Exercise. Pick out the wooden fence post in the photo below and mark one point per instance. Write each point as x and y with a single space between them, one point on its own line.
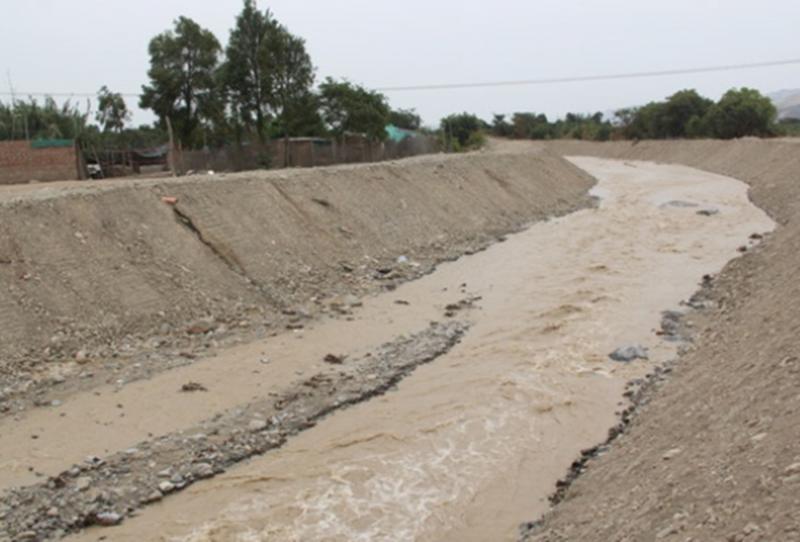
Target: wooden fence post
171 151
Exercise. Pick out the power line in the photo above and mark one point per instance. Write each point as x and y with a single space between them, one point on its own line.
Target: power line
608 77
67 94
486 84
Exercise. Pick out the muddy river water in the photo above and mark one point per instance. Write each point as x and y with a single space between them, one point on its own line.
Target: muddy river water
470 446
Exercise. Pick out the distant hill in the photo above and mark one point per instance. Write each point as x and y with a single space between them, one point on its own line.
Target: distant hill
788 103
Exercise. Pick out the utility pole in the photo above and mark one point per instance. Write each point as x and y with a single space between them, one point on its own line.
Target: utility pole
13 104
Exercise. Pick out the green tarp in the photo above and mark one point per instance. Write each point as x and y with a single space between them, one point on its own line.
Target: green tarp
50 143
398 134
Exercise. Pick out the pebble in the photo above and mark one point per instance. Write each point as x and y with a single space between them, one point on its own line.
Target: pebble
751 528
257 425
671 454
629 353
665 532
166 487
108 519
155 496
203 470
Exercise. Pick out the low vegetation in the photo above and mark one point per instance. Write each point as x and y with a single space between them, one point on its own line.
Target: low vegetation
684 115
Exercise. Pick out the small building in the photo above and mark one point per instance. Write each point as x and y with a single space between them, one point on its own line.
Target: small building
39 160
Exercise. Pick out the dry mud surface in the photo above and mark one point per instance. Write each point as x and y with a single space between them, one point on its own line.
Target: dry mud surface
309 392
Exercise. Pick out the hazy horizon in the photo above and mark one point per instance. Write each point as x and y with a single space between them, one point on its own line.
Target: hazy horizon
77 47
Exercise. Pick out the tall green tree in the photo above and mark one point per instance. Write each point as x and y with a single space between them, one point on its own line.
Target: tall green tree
246 71
347 107
500 126
461 132
530 126
681 111
742 112
291 76
112 111
408 119
183 84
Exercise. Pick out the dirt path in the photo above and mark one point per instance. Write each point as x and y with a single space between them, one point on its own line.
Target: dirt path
468 447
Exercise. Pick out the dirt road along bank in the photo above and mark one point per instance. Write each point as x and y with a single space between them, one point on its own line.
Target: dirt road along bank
714 454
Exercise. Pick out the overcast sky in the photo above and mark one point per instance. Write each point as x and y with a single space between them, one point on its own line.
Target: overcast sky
79 45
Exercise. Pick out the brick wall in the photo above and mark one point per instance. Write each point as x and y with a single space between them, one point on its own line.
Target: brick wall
20 163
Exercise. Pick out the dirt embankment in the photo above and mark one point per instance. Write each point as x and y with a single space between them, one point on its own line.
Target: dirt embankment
112 275
712 454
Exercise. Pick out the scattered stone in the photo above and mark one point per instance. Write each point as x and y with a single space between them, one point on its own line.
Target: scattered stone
166 487
204 470
627 354
708 212
333 359
672 327
671 454
751 528
200 328
794 468
108 519
155 496
190 387
679 203
401 302
666 531
83 483
257 425
94 461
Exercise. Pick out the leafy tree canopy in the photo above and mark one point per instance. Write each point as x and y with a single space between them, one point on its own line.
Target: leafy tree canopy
408 119
183 85
245 73
112 112
742 112
462 131
347 107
